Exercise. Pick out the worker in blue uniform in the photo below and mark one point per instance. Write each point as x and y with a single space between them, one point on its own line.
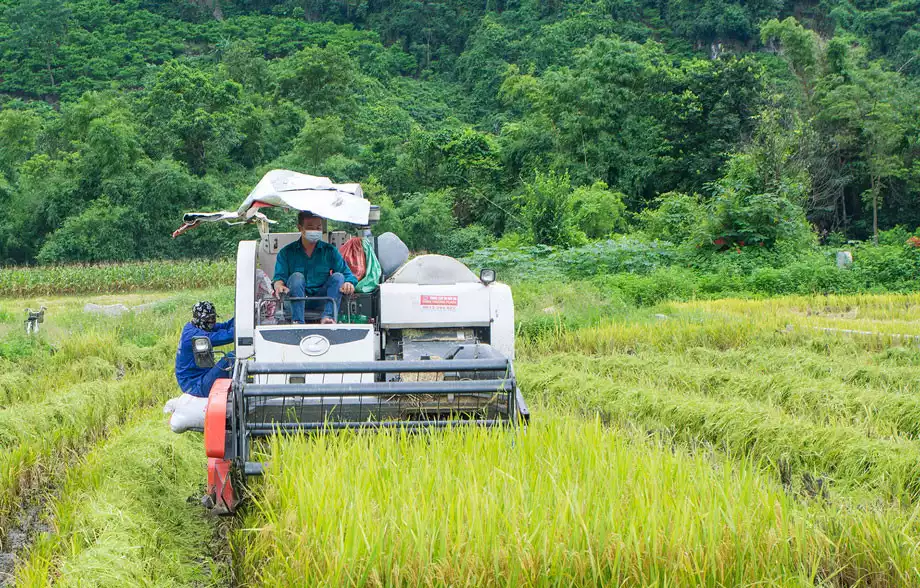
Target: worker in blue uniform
311 267
192 379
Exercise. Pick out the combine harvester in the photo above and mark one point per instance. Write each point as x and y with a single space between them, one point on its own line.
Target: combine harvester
435 347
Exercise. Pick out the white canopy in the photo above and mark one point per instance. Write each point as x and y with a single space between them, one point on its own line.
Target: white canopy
281 187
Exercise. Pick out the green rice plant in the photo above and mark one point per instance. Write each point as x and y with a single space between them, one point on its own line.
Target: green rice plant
123 518
14 385
563 503
886 468
36 439
106 279
84 356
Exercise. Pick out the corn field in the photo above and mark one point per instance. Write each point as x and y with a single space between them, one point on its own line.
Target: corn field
115 278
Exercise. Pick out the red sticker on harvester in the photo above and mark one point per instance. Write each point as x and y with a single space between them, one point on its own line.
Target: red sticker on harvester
444 302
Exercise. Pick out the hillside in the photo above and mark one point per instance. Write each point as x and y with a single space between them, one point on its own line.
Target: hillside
554 122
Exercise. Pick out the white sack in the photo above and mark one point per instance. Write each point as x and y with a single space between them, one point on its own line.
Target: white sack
187 413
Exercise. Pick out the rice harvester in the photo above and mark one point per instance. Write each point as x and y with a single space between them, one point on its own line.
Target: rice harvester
431 347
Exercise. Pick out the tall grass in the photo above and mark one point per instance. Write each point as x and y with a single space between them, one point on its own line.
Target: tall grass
564 502
111 278
645 464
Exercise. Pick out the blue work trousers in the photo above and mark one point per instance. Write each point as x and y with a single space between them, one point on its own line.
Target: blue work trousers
221 369
331 289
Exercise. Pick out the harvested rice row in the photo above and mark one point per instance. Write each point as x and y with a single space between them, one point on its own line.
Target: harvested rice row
37 438
875 412
885 307
124 519
888 469
681 334
691 328
562 503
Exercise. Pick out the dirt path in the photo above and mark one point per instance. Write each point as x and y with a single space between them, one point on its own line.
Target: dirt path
26 525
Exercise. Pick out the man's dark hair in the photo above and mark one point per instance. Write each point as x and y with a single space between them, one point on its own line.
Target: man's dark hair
304 215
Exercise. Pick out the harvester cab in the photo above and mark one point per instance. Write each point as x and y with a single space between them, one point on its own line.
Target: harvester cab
431 347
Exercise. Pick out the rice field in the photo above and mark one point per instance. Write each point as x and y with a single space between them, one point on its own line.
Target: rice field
723 443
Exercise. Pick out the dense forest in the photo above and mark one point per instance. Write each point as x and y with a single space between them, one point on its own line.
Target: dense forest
715 124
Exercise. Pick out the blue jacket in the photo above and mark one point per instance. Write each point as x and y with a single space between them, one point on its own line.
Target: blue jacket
315 269
188 374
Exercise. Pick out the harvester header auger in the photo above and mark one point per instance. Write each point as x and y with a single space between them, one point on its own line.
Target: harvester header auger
430 345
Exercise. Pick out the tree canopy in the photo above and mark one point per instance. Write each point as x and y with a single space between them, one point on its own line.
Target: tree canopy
551 122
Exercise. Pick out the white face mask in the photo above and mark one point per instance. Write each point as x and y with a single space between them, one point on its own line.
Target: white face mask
312 236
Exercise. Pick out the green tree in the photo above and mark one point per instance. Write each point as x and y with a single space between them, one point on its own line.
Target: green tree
676 218
319 139
545 204
192 117
243 63
799 45
884 130
18 134
427 219
321 79
601 114
112 146
40 26
97 234
867 109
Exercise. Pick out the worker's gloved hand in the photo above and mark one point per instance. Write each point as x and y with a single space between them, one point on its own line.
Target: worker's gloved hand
347 288
281 289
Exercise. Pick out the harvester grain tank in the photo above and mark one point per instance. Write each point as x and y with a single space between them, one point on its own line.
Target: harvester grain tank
436 349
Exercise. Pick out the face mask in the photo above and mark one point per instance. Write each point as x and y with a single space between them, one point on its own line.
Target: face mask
312 236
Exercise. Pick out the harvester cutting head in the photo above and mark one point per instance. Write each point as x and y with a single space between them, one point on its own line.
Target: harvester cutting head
431 347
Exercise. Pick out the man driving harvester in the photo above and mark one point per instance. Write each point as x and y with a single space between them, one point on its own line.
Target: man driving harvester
312 267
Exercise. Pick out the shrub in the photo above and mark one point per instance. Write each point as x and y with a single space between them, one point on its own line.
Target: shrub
893 267
746 211
677 217
533 261
815 277
597 211
647 290
465 240
895 236
623 254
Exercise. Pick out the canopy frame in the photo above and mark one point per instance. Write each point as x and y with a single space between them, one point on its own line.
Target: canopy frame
290 190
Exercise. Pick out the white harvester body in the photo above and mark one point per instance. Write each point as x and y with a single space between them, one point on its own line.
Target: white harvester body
431 347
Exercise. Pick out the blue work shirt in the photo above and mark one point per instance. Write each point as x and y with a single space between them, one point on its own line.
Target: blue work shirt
188 374
315 269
